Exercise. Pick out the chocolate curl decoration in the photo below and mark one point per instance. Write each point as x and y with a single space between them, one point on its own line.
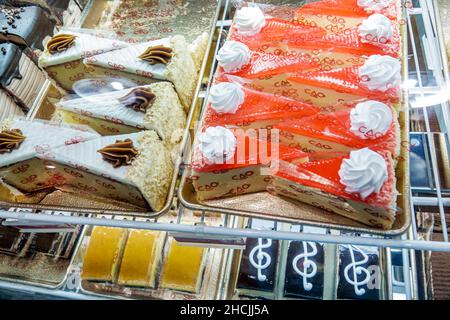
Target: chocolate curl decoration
60 42
10 140
121 153
157 54
138 99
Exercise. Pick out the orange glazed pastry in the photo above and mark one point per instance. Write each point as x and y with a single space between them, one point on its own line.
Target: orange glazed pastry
369 124
351 8
141 258
227 163
360 35
230 104
183 268
103 255
359 185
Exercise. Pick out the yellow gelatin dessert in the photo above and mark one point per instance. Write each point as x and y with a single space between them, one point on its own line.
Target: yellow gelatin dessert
141 258
104 254
183 268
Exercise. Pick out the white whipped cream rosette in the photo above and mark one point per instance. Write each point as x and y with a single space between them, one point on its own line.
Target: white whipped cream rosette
233 56
249 20
365 172
226 97
370 119
374 5
376 29
380 73
217 144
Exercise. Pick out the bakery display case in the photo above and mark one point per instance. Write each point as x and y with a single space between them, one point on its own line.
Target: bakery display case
291 149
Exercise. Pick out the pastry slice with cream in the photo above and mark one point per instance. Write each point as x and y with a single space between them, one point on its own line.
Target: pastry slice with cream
228 163
101 261
236 60
64 55
350 8
19 76
155 106
360 185
134 168
368 124
167 59
231 104
377 79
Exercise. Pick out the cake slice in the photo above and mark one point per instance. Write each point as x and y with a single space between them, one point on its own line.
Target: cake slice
254 27
368 124
155 106
134 168
167 59
25 26
103 254
350 8
64 54
141 258
228 163
231 104
360 185
183 267
25 149
374 34
19 76
237 60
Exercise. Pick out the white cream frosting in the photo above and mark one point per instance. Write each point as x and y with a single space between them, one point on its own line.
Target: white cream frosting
233 56
249 20
373 5
226 97
364 172
217 144
380 73
376 29
370 119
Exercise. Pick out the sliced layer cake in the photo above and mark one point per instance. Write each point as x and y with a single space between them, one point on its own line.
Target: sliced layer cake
360 185
167 59
155 106
368 124
228 163
64 55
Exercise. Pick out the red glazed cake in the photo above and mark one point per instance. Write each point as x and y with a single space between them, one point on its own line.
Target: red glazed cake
230 104
227 163
369 124
359 185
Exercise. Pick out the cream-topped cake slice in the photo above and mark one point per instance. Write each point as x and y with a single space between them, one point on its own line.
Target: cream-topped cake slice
167 59
26 148
134 168
155 106
64 54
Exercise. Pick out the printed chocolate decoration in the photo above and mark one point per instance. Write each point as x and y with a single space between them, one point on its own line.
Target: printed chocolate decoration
157 54
359 274
304 270
121 153
258 265
10 140
138 99
60 42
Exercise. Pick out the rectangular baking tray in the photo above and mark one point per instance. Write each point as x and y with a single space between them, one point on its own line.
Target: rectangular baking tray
43 109
266 206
